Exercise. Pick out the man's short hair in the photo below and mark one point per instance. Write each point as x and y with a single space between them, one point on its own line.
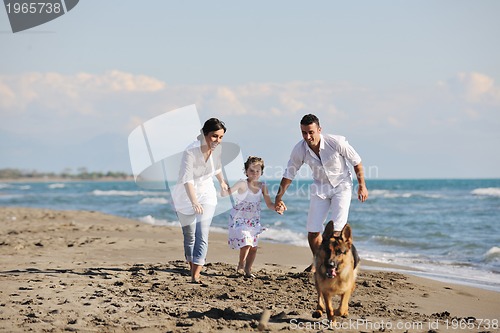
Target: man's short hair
309 119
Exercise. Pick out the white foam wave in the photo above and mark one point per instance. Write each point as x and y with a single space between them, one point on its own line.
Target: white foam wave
434 269
153 201
270 234
15 187
285 236
56 185
394 195
218 230
487 191
125 193
154 221
10 196
274 235
492 254
466 277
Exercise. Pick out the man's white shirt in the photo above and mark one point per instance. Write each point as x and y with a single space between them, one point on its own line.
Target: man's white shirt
330 169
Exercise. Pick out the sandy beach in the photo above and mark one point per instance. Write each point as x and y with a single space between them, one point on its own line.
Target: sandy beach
82 271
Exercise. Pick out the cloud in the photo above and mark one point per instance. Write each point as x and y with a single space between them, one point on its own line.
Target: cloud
7 96
474 88
59 92
117 81
476 85
289 98
119 101
54 108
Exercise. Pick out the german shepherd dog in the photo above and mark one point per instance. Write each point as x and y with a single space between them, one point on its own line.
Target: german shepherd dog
336 270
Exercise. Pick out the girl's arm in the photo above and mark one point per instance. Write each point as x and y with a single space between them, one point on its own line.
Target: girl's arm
240 187
267 198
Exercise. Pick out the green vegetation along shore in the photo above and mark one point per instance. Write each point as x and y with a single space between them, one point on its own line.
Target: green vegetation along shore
67 174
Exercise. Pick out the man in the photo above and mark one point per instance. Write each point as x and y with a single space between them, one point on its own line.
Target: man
331 190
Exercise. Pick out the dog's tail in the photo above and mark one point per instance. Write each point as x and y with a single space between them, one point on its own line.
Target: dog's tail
355 255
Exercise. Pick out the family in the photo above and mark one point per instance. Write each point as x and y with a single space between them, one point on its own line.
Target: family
195 196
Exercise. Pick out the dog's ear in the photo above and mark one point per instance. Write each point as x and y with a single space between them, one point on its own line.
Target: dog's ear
347 235
328 233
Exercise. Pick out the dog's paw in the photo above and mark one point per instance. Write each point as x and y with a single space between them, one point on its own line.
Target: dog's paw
340 313
317 314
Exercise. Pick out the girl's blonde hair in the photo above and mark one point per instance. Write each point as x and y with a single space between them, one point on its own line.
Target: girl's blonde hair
254 159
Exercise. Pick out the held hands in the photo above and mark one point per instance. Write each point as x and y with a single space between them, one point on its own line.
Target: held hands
280 207
224 189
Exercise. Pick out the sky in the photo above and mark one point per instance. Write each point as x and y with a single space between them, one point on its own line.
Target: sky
413 85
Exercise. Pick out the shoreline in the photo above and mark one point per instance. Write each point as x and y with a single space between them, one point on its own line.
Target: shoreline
89 271
372 264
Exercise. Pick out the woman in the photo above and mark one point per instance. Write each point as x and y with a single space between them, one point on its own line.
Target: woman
195 196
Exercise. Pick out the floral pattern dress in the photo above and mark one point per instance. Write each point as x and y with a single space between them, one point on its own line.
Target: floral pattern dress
244 220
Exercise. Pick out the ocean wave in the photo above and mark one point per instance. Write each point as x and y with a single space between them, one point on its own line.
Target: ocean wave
125 193
148 219
56 185
441 270
487 191
15 187
386 240
10 196
285 236
153 201
216 229
395 195
274 235
492 254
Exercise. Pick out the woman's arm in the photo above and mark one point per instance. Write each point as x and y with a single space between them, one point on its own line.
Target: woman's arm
198 209
223 185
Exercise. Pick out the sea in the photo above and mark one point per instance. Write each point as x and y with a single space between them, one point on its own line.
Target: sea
444 229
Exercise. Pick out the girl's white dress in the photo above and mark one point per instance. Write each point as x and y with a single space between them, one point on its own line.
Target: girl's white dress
244 220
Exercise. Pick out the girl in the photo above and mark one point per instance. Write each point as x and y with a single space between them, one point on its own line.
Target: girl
244 218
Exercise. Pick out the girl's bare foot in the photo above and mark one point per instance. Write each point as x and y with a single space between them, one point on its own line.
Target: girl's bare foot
240 270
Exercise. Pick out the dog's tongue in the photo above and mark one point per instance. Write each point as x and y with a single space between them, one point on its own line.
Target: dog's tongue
332 273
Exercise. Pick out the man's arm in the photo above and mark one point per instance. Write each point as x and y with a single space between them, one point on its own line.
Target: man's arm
279 205
362 190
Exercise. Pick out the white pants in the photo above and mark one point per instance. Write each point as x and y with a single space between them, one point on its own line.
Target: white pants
336 200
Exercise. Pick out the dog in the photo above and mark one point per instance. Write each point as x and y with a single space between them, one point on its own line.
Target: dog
336 263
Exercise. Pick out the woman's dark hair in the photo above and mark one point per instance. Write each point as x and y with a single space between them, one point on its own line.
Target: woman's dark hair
309 119
212 125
